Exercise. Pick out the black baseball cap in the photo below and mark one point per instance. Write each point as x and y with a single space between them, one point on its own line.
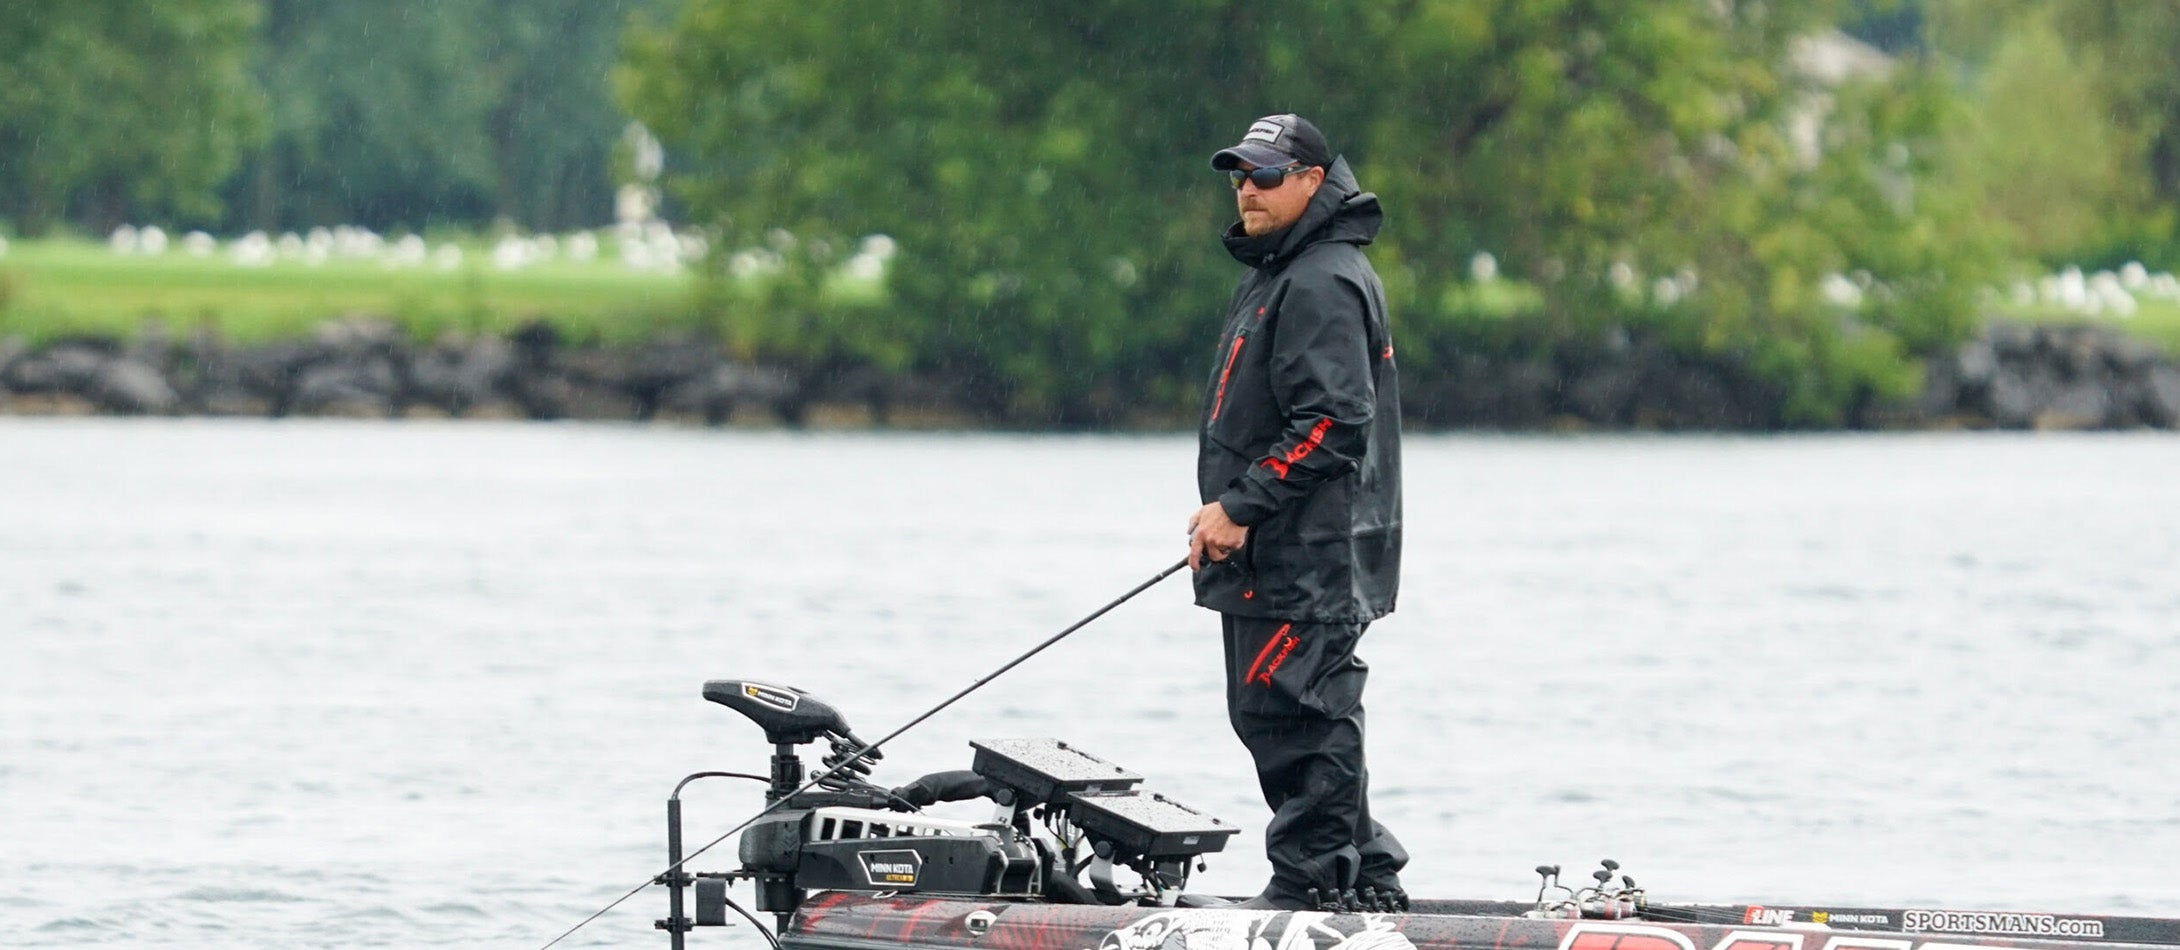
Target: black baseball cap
1276 141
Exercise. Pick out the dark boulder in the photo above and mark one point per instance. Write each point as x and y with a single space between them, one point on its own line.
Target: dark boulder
1603 391
536 344
127 387
12 351
1975 366
2158 399
542 394
211 377
1694 397
366 387
457 376
661 366
2079 352
2011 340
71 368
2016 393
2129 357
1940 396
598 382
2084 404
269 372
717 393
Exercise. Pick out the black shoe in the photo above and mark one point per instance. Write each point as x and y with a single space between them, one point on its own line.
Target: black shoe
1382 900
1384 892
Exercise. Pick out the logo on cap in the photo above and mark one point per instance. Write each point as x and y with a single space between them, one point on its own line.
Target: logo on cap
1265 131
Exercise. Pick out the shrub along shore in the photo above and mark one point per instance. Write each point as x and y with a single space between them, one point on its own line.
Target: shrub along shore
2011 376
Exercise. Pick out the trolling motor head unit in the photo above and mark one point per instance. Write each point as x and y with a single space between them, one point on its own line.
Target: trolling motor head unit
1060 812
787 716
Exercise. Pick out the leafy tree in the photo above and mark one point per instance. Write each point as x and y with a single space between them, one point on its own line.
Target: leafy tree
414 112
2062 141
1596 147
2129 48
122 109
553 121
1041 164
379 117
1038 163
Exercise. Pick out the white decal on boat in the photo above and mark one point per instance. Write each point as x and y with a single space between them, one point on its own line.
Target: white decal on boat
1212 929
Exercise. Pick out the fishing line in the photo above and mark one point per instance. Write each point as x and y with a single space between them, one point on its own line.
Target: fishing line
866 753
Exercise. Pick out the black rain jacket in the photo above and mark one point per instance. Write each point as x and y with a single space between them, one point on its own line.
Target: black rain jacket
1301 421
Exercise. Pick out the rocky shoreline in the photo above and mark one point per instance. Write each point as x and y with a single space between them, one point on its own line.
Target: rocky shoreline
2012 376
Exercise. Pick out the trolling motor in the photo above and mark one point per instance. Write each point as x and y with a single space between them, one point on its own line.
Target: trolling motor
1060 813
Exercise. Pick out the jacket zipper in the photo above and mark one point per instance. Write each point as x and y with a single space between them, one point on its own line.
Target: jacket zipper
1223 373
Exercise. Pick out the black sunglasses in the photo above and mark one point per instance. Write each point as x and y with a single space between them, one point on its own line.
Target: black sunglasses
1265 179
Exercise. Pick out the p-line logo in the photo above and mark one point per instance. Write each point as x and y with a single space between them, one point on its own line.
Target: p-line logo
891 868
1265 132
783 700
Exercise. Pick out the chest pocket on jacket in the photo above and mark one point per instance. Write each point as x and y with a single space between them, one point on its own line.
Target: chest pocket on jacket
1243 416
1226 374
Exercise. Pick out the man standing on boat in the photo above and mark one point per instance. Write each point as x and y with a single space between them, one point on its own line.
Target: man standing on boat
1297 545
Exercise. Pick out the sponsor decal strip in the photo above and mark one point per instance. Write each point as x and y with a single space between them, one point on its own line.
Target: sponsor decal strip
2009 924
1628 936
2083 927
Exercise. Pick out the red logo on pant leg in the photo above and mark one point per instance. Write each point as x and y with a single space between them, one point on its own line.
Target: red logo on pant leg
1276 650
1285 647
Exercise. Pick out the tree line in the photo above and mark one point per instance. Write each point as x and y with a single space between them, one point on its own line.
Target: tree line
234 115
1729 178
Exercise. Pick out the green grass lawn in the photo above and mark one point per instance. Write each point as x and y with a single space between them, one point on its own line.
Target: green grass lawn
2156 321
63 287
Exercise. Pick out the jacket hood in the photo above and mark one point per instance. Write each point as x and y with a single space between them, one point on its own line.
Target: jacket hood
1340 211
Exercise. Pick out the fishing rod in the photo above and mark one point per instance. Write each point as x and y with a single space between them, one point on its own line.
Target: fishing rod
864 754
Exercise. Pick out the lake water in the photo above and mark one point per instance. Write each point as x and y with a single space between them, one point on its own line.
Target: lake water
276 684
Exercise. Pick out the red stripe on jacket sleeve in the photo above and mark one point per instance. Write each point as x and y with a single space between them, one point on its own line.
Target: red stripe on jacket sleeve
1302 451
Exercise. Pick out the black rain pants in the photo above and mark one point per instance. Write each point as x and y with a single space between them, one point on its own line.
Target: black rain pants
1294 695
